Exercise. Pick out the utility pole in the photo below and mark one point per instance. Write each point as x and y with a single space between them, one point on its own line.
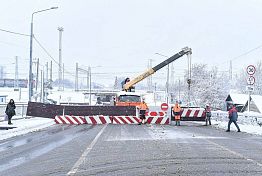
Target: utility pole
90 86
37 74
46 74
167 85
41 88
60 29
1 72
63 76
172 77
149 79
51 74
230 71
16 73
76 78
116 83
179 85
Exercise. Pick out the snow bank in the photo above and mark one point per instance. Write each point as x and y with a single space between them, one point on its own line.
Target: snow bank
248 122
24 126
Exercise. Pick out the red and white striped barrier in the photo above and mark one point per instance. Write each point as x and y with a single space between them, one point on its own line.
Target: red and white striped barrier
156 113
74 120
125 120
157 120
98 119
193 113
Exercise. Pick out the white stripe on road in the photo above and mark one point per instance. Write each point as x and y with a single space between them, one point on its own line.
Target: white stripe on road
83 156
235 153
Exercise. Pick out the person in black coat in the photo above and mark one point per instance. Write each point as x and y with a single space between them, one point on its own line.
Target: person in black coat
10 110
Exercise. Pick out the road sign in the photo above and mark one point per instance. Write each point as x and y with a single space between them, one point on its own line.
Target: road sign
250 88
251 80
164 106
251 69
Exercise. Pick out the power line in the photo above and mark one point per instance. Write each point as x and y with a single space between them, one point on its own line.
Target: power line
41 46
17 33
246 53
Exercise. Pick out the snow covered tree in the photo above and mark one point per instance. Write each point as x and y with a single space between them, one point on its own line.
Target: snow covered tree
207 86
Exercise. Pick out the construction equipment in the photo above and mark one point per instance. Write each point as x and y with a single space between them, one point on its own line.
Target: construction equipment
128 86
127 98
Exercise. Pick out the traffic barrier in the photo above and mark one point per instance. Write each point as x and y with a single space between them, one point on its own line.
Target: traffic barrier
99 119
74 120
193 113
156 113
125 120
158 120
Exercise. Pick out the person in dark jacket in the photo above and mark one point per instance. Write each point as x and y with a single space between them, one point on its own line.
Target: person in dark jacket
10 110
232 114
208 114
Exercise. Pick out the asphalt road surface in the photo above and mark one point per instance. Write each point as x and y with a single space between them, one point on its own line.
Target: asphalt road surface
190 149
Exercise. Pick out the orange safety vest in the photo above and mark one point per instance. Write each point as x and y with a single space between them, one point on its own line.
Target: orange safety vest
177 108
143 106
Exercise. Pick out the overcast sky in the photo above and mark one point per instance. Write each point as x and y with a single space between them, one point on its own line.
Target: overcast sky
121 36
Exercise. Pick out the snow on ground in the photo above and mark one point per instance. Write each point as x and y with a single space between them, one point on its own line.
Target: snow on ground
23 126
248 122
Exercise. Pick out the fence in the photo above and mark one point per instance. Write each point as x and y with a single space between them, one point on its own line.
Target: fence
20 110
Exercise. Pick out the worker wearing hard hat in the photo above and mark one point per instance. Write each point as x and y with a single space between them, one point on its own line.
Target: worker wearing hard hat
142 111
177 114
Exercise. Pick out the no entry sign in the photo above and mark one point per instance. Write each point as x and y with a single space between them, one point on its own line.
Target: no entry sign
164 106
251 69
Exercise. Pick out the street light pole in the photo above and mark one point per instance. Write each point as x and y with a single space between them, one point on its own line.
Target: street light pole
167 79
89 71
30 81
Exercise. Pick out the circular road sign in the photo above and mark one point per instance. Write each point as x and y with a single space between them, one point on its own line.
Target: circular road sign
251 80
251 69
164 106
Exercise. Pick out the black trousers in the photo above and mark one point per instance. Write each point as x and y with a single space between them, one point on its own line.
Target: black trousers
235 122
9 119
142 114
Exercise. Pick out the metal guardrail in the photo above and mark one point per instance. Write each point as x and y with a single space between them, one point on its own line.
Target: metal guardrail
20 110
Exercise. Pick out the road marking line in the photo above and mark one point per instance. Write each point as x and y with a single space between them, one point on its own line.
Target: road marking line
235 153
83 156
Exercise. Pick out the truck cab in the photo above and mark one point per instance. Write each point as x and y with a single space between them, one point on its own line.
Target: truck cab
128 99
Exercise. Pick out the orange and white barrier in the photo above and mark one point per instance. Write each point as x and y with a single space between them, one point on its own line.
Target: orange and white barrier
125 120
98 119
73 120
193 113
158 120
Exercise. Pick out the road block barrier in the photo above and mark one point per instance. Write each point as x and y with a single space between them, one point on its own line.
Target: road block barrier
161 118
99 119
191 114
125 120
158 120
74 120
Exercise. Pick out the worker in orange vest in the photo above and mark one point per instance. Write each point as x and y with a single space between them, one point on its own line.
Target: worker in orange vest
142 111
176 111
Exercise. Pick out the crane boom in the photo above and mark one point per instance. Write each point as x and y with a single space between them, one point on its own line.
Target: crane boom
151 71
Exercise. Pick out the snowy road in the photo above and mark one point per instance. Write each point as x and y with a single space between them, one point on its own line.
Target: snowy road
191 149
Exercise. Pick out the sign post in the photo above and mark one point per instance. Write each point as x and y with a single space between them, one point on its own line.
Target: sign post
251 69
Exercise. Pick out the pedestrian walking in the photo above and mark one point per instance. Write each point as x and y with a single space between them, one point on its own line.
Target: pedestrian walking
232 115
176 111
142 111
208 114
10 110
